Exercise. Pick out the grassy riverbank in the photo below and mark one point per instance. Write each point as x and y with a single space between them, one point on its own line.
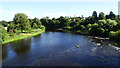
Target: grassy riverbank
24 35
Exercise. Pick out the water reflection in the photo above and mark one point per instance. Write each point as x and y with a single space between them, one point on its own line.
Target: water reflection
37 36
22 46
4 51
18 47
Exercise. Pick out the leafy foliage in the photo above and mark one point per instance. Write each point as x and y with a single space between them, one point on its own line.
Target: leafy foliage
101 25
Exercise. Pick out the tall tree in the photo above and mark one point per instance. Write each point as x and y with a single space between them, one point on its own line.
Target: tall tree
22 19
112 15
37 21
101 16
94 14
4 23
107 16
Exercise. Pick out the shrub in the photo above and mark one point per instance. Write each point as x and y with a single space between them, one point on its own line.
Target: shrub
114 35
11 33
35 26
17 31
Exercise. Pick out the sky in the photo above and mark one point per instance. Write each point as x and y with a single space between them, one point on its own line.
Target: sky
52 9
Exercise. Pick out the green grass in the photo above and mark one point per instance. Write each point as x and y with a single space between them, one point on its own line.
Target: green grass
26 35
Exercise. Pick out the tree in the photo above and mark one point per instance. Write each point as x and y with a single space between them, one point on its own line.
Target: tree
3 34
96 31
22 19
112 15
89 20
102 23
37 21
82 27
31 22
27 26
11 27
64 21
114 35
88 27
101 16
118 25
4 23
107 16
94 14
110 24
35 26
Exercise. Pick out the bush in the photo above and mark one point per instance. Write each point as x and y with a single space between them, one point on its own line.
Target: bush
96 31
17 31
88 27
35 26
114 35
3 33
42 27
11 33
101 22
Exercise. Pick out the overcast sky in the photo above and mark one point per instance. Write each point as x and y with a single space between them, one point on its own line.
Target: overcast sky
35 8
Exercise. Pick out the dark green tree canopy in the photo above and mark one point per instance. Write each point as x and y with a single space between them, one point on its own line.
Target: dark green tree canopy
112 15
101 16
94 14
20 18
4 23
37 21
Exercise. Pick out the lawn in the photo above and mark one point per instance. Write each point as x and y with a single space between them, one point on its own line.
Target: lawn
24 35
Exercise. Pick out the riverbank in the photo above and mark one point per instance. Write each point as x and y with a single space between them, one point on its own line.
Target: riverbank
23 36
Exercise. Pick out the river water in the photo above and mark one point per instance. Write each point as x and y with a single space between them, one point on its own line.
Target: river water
58 49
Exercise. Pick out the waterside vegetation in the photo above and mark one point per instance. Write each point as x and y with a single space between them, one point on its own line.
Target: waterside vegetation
101 25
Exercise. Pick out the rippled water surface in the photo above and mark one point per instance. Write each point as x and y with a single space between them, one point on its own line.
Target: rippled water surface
58 49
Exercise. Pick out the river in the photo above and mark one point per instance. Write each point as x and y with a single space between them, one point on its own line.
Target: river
58 49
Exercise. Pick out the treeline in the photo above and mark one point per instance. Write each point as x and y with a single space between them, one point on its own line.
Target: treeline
20 24
96 25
